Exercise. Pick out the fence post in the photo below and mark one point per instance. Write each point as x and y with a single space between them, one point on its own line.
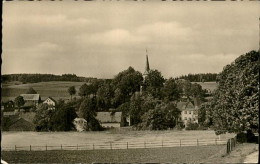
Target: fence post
111 145
197 142
227 146
93 147
30 148
180 143
126 145
77 147
15 147
46 147
216 141
144 144
162 143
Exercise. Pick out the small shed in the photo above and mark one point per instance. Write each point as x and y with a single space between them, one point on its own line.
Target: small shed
21 124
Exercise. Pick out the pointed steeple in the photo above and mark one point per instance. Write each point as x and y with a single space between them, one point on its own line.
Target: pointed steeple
147 68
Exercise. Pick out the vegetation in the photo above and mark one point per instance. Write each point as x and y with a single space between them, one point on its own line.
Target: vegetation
236 100
35 78
201 77
19 101
60 119
71 91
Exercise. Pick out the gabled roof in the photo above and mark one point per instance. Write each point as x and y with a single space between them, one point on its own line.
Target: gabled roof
104 117
51 99
185 106
31 97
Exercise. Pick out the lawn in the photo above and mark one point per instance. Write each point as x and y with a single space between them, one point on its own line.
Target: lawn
55 89
208 85
10 139
159 155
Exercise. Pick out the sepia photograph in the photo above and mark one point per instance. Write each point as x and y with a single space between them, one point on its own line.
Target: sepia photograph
110 81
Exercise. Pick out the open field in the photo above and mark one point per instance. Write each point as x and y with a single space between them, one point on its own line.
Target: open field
10 139
208 85
55 89
161 155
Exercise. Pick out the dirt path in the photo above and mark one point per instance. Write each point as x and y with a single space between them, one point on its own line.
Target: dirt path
252 158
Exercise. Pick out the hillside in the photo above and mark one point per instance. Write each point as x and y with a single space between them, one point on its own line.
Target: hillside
55 89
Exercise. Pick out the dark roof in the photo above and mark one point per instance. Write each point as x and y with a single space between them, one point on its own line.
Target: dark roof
185 106
21 125
109 117
31 97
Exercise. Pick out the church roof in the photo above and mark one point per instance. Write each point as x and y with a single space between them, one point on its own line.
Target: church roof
147 68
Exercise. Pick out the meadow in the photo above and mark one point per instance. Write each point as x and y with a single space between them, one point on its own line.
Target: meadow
10 139
55 89
158 155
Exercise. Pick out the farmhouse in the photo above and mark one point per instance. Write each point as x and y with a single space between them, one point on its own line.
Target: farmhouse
80 124
31 99
189 112
109 119
50 102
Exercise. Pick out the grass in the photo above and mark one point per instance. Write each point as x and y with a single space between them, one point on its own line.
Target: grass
238 155
55 89
159 155
208 85
10 139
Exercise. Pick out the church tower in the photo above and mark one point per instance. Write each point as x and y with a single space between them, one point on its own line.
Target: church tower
147 68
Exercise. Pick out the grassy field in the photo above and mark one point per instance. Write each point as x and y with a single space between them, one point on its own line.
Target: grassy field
55 89
159 155
208 85
10 139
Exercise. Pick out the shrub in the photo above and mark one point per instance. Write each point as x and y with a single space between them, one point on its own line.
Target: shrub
241 137
192 126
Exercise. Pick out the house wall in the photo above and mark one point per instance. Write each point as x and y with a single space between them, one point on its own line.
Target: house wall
189 115
108 125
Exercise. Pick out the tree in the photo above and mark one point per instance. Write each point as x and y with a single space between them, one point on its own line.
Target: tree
84 90
42 119
205 115
104 95
71 91
171 91
88 112
125 84
63 118
19 101
236 100
31 91
153 83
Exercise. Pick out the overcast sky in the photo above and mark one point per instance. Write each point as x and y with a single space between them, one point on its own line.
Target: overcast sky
100 39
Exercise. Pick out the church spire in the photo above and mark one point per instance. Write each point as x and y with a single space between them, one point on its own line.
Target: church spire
147 68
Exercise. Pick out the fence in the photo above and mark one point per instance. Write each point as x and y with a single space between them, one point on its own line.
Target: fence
231 144
119 145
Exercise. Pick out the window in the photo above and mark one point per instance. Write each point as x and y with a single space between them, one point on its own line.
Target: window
189 112
185 118
185 112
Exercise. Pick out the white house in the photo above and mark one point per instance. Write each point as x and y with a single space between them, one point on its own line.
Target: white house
50 102
189 112
80 124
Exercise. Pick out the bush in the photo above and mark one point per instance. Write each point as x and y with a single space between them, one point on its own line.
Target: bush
192 126
241 137
201 127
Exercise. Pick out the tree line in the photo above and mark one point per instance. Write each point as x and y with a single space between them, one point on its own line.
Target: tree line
35 78
201 77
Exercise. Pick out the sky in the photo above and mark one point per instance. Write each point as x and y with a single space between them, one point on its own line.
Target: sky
100 39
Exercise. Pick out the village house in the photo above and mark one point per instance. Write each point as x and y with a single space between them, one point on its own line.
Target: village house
189 112
80 124
50 102
31 99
